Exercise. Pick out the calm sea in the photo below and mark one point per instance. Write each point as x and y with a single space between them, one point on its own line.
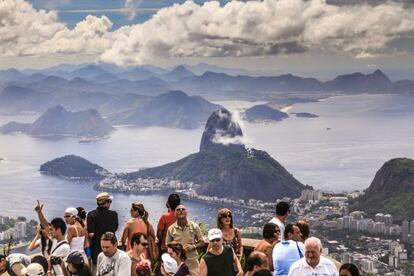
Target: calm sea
339 151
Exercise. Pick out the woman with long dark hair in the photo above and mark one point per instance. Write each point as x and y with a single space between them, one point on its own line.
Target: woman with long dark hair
41 240
231 235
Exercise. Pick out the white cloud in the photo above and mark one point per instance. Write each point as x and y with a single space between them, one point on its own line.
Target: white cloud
25 31
255 28
237 29
226 136
131 7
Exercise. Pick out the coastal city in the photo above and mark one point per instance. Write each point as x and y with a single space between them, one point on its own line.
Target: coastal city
378 245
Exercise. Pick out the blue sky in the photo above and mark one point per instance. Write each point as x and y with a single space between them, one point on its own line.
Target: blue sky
307 37
73 11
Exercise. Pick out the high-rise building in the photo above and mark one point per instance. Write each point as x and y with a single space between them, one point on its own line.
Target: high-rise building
347 222
20 229
388 220
379 217
405 231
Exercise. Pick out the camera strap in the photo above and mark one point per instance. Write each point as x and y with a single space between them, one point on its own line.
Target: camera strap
58 245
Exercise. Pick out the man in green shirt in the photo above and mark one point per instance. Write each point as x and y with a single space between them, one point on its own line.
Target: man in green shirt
220 260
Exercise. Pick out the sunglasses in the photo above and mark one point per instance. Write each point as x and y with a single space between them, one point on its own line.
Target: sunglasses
180 209
144 244
225 216
67 216
216 240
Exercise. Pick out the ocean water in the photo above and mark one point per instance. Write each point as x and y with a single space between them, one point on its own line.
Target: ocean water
339 151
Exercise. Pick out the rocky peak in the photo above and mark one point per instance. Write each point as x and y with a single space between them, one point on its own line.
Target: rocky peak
221 128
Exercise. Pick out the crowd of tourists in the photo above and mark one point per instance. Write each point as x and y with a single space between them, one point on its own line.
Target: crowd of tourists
84 244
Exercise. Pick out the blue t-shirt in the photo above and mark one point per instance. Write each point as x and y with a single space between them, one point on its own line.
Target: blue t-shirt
285 253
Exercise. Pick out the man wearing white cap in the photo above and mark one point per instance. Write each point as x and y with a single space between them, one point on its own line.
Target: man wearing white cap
220 260
100 221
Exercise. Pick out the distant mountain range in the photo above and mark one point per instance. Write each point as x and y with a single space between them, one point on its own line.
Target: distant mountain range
204 78
391 191
119 94
224 167
57 121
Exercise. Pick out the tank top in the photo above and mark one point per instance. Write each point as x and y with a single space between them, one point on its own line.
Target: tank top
220 265
77 243
233 243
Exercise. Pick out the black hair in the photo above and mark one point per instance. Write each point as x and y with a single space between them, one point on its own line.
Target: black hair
288 229
263 272
59 223
45 242
136 238
353 269
178 249
109 236
252 261
173 201
282 208
2 257
269 230
39 259
81 212
81 216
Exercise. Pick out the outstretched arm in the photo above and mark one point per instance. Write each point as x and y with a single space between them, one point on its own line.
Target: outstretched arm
42 219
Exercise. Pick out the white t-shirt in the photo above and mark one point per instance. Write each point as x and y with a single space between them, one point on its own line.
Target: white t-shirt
325 268
281 225
117 265
59 249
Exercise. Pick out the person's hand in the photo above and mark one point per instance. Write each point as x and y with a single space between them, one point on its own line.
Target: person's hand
239 273
39 206
188 247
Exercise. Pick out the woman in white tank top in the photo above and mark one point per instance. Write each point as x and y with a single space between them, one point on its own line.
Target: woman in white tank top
76 234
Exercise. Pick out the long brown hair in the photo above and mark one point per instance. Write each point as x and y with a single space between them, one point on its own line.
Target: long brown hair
222 213
139 207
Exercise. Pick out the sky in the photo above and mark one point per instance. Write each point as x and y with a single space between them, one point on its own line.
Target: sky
319 38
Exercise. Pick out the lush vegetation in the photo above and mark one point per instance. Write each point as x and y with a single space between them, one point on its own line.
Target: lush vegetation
72 166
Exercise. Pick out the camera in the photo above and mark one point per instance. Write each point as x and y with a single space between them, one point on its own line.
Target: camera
55 260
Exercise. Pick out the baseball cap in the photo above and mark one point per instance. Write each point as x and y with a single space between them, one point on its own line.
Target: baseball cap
33 269
170 265
75 258
214 233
